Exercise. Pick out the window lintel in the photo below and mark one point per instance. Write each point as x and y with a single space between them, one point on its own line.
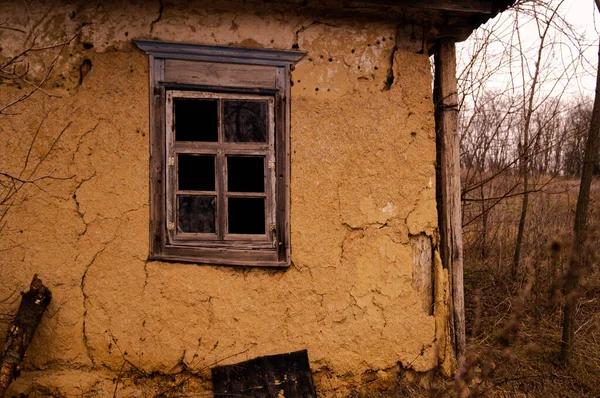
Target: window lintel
235 55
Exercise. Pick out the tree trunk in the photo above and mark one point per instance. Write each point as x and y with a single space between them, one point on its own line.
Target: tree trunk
525 203
577 264
526 151
22 329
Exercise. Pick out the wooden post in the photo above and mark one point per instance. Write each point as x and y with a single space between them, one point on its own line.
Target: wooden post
448 184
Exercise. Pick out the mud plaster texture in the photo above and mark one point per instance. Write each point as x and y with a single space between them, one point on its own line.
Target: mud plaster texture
362 192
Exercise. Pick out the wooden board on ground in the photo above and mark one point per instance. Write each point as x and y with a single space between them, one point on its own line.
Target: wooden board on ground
286 375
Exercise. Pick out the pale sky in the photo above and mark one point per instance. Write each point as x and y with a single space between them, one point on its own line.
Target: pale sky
584 16
563 70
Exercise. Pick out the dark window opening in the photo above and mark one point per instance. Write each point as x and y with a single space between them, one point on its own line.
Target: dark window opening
245 174
196 120
196 173
246 215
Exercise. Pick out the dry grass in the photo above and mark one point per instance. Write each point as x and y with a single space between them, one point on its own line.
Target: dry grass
515 324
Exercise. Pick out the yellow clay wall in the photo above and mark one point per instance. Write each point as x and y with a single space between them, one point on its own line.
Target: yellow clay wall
362 192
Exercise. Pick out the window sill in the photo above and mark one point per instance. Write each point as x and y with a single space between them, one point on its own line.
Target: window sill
221 256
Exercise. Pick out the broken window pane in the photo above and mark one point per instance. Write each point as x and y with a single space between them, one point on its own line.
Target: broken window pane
245 121
245 173
196 119
196 173
246 215
196 214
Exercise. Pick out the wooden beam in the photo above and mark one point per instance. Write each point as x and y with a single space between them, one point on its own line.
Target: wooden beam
448 184
471 6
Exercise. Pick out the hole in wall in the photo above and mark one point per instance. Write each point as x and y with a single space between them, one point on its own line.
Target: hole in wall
84 69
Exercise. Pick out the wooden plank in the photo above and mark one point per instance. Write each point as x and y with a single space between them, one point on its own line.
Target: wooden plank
225 256
210 148
283 375
471 6
448 183
219 74
271 178
157 158
245 242
219 89
282 171
422 278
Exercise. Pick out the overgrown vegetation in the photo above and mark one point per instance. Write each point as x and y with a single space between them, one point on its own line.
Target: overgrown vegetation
515 324
523 143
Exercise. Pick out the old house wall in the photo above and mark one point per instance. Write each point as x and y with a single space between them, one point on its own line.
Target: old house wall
358 294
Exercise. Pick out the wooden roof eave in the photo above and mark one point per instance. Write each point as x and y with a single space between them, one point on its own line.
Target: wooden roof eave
459 6
456 19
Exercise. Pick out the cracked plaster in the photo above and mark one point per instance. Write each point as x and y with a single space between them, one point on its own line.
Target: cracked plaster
362 170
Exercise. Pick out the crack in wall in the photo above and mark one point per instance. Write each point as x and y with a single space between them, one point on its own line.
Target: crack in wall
413 209
80 141
234 26
389 80
211 311
146 276
413 136
77 204
86 299
159 17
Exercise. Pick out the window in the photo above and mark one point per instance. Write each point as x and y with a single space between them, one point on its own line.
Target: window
221 177
219 161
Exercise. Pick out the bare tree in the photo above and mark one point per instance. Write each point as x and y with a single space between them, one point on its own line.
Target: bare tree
578 258
512 110
573 137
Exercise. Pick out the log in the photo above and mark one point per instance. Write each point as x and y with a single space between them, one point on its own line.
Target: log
21 330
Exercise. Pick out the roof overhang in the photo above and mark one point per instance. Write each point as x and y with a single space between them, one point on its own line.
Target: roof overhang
442 18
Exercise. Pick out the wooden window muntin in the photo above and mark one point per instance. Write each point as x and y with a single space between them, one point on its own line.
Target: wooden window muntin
221 150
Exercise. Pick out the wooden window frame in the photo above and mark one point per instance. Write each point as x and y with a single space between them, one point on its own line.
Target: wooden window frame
198 71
